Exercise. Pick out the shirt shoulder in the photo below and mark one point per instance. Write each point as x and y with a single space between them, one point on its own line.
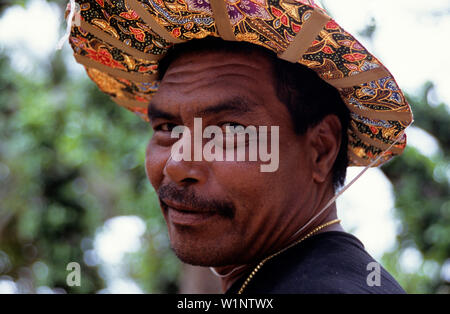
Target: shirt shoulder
330 262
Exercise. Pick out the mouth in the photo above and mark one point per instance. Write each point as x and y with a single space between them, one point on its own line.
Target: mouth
179 214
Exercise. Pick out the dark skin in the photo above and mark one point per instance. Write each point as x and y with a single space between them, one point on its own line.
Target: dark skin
264 208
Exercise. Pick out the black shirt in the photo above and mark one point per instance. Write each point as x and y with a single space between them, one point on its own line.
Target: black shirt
329 262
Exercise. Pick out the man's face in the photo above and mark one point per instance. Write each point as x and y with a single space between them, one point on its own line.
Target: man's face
222 213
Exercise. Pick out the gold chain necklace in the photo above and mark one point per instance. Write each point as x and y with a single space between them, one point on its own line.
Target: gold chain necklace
252 274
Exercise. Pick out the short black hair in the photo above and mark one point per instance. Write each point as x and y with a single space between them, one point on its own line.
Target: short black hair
308 98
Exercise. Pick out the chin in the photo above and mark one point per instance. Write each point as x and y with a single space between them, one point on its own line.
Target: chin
207 253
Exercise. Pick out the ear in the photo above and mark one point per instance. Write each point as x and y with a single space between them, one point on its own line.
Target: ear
325 141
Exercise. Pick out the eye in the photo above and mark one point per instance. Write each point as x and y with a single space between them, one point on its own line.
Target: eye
232 127
165 127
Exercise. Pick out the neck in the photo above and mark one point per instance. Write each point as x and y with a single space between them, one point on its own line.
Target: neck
230 274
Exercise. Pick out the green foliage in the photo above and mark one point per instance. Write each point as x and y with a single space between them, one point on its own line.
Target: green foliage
369 30
421 187
70 159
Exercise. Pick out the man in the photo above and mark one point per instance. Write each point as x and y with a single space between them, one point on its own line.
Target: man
227 214
261 231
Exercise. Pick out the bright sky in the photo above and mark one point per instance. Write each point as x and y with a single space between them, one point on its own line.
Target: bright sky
412 40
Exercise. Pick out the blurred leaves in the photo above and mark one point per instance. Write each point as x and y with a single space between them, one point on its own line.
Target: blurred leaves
369 30
421 187
70 159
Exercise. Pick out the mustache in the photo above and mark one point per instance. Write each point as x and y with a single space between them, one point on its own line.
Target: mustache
188 198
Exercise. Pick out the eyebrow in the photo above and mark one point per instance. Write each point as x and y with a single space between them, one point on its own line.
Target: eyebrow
153 113
236 104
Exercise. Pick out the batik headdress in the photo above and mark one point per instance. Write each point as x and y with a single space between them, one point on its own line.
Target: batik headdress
121 41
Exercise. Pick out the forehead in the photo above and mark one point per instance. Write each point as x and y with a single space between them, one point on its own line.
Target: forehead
200 79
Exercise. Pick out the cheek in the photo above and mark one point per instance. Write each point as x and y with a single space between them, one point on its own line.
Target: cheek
245 185
261 192
155 159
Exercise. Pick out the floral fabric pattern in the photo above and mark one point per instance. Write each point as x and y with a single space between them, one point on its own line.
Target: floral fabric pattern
130 48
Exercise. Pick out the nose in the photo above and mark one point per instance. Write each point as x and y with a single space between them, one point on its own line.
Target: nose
185 172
